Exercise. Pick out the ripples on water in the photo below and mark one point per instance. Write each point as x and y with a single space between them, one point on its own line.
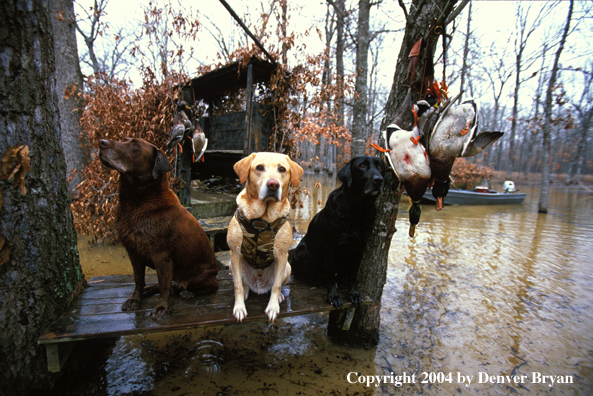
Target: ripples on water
496 289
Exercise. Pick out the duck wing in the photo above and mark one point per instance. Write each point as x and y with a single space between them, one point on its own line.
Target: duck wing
480 143
472 122
436 118
386 139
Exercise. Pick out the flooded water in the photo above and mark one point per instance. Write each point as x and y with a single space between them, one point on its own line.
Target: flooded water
490 294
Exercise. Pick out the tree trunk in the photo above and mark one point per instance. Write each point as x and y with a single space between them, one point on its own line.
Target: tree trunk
340 59
284 30
68 87
581 163
42 274
340 11
464 65
360 104
326 81
317 155
364 330
543 199
514 116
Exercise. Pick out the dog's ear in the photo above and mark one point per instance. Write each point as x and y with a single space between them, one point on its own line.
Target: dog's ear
161 165
345 174
296 172
242 168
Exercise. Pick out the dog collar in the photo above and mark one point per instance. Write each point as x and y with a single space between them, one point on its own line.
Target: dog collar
258 239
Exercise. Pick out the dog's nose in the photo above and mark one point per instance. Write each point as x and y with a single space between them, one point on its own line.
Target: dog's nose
273 184
103 143
377 180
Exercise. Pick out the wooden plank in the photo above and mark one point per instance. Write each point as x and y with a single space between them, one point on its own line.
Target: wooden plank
215 225
224 258
97 314
57 355
238 152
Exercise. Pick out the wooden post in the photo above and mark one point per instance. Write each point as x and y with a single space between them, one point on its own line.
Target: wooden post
186 160
248 107
57 354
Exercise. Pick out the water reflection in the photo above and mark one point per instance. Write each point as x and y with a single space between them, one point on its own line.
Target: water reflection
496 289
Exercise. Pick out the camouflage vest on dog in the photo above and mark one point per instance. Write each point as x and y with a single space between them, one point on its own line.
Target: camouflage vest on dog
258 239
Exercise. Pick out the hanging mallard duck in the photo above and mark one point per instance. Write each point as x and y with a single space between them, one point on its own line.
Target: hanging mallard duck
455 134
199 143
408 157
181 126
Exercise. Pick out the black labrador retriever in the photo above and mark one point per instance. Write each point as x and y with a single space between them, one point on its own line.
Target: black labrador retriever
331 251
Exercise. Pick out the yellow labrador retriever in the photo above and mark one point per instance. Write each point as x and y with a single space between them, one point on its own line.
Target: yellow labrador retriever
259 234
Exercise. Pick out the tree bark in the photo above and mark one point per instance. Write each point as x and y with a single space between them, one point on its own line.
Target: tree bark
359 110
543 199
42 274
364 330
68 87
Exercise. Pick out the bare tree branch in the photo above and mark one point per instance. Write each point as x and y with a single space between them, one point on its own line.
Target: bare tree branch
456 11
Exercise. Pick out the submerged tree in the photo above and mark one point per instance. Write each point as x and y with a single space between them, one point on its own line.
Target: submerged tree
40 272
543 199
359 110
364 330
68 86
524 31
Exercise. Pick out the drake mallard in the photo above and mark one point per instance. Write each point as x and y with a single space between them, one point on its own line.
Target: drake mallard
409 160
181 127
455 135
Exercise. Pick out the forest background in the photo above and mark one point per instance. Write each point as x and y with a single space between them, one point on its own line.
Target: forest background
501 53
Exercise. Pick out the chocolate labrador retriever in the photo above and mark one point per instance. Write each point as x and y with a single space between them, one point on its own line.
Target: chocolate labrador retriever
331 251
153 226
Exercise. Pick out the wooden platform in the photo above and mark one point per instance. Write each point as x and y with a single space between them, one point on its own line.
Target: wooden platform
97 313
215 225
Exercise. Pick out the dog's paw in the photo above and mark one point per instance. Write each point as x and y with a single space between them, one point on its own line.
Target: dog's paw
272 311
334 299
280 298
186 294
239 312
354 296
130 304
160 311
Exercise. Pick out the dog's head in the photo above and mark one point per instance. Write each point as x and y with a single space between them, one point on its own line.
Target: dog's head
134 157
363 175
268 175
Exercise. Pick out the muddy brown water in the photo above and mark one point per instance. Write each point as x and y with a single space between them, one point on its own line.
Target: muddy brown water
490 293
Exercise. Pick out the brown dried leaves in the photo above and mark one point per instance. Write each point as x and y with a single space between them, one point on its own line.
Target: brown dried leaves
116 111
5 247
467 175
15 164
